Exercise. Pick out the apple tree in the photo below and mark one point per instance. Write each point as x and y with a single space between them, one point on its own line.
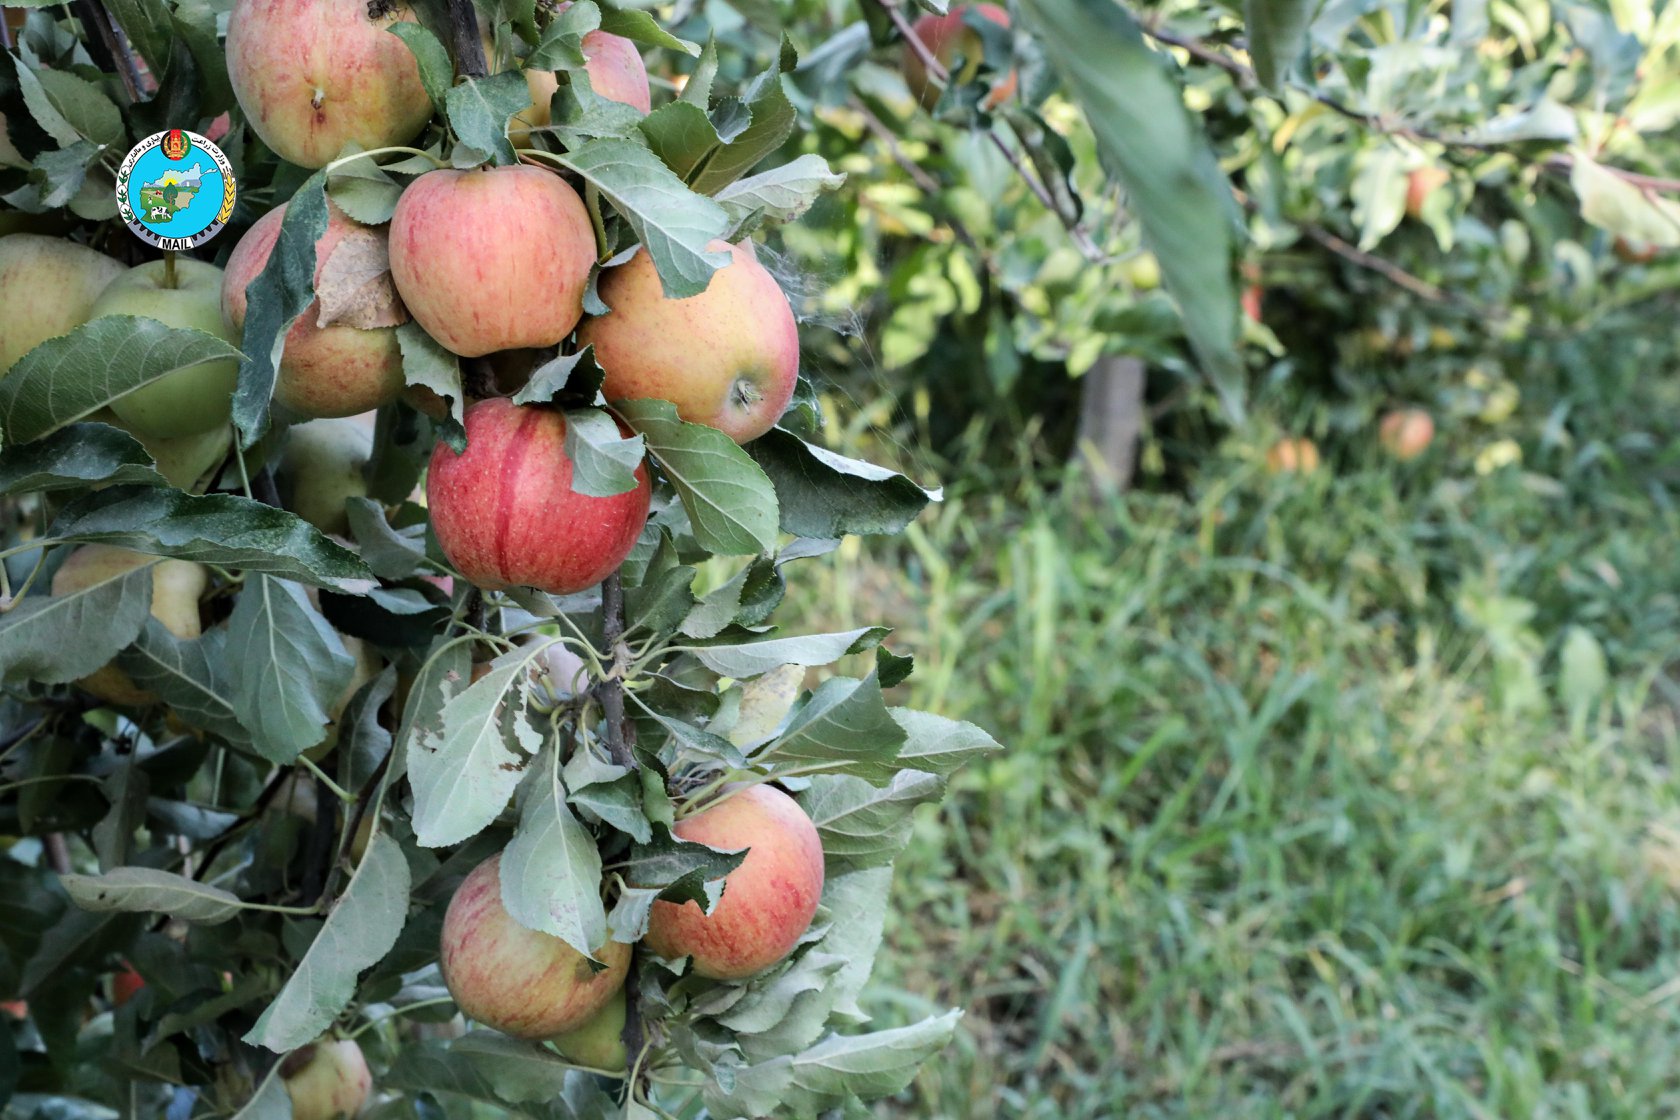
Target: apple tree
394 720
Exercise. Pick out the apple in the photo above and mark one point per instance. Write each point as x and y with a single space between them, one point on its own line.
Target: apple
505 513
366 666
946 37
363 837
16 1008
1406 433
337 370
599 1043
190 400
520 981
1292 456
315 75
728 357
1420 184
125 985
320 468
326 1080
616 72
296 797
768 901
186 461
492 259
50 286
177 586
1253 300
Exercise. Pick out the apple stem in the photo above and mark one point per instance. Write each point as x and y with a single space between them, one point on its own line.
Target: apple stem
170 280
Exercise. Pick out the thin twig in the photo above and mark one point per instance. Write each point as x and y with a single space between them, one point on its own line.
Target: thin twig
918 174
1081 239
108 47
469 47
58 852
1388 269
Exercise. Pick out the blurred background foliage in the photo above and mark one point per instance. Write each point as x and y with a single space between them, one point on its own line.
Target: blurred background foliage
1348 793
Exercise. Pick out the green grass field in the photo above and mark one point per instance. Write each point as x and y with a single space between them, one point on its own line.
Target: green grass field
1350 795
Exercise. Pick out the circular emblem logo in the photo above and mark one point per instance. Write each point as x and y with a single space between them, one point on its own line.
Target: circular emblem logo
176 190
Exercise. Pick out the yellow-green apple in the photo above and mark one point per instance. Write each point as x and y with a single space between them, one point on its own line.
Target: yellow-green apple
1292 456
186 461
125 985
1420 184
599 1043
946 37
315 75
492 259
728 357
1406 433
320 468
177 586
9 155
326 1080
768 901
190 400
296 797
616 72
366 666
50 286
343 368
505 513
520 981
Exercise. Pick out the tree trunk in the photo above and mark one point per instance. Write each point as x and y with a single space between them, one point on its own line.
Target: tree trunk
1110 422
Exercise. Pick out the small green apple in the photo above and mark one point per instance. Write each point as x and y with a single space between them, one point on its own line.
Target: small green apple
326 1080
599 1043
50 286
190 400
320 468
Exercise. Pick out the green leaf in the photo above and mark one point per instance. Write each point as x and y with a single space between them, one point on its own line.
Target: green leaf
765 703
681 135
103 618
522 1072
193 677
604 460
73 457
640 27
369 199
360 930
730 502
773 118
1277 33
674 223
1583 674
864 825
479 110
463 777
939 745
781 194
276 299
437 72
427 364
551 872
1173 182
221 529
288 666
70 108
827 495
679 870
1608 201
844 728
66 378
871 1066
742 658
561 46
147 25
271 1101
391 553
146 889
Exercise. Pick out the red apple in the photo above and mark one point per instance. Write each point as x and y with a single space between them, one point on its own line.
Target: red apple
16 1008
616 72
768 902
1406 433
1420 184
492 259
505 513
326 1080
520 981
945 37
337 370
728 357
125 985
1292 456
315 75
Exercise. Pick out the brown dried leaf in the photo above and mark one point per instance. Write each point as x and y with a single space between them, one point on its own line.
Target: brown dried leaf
355 287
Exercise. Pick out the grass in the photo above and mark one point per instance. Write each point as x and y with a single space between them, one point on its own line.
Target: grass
1347 795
